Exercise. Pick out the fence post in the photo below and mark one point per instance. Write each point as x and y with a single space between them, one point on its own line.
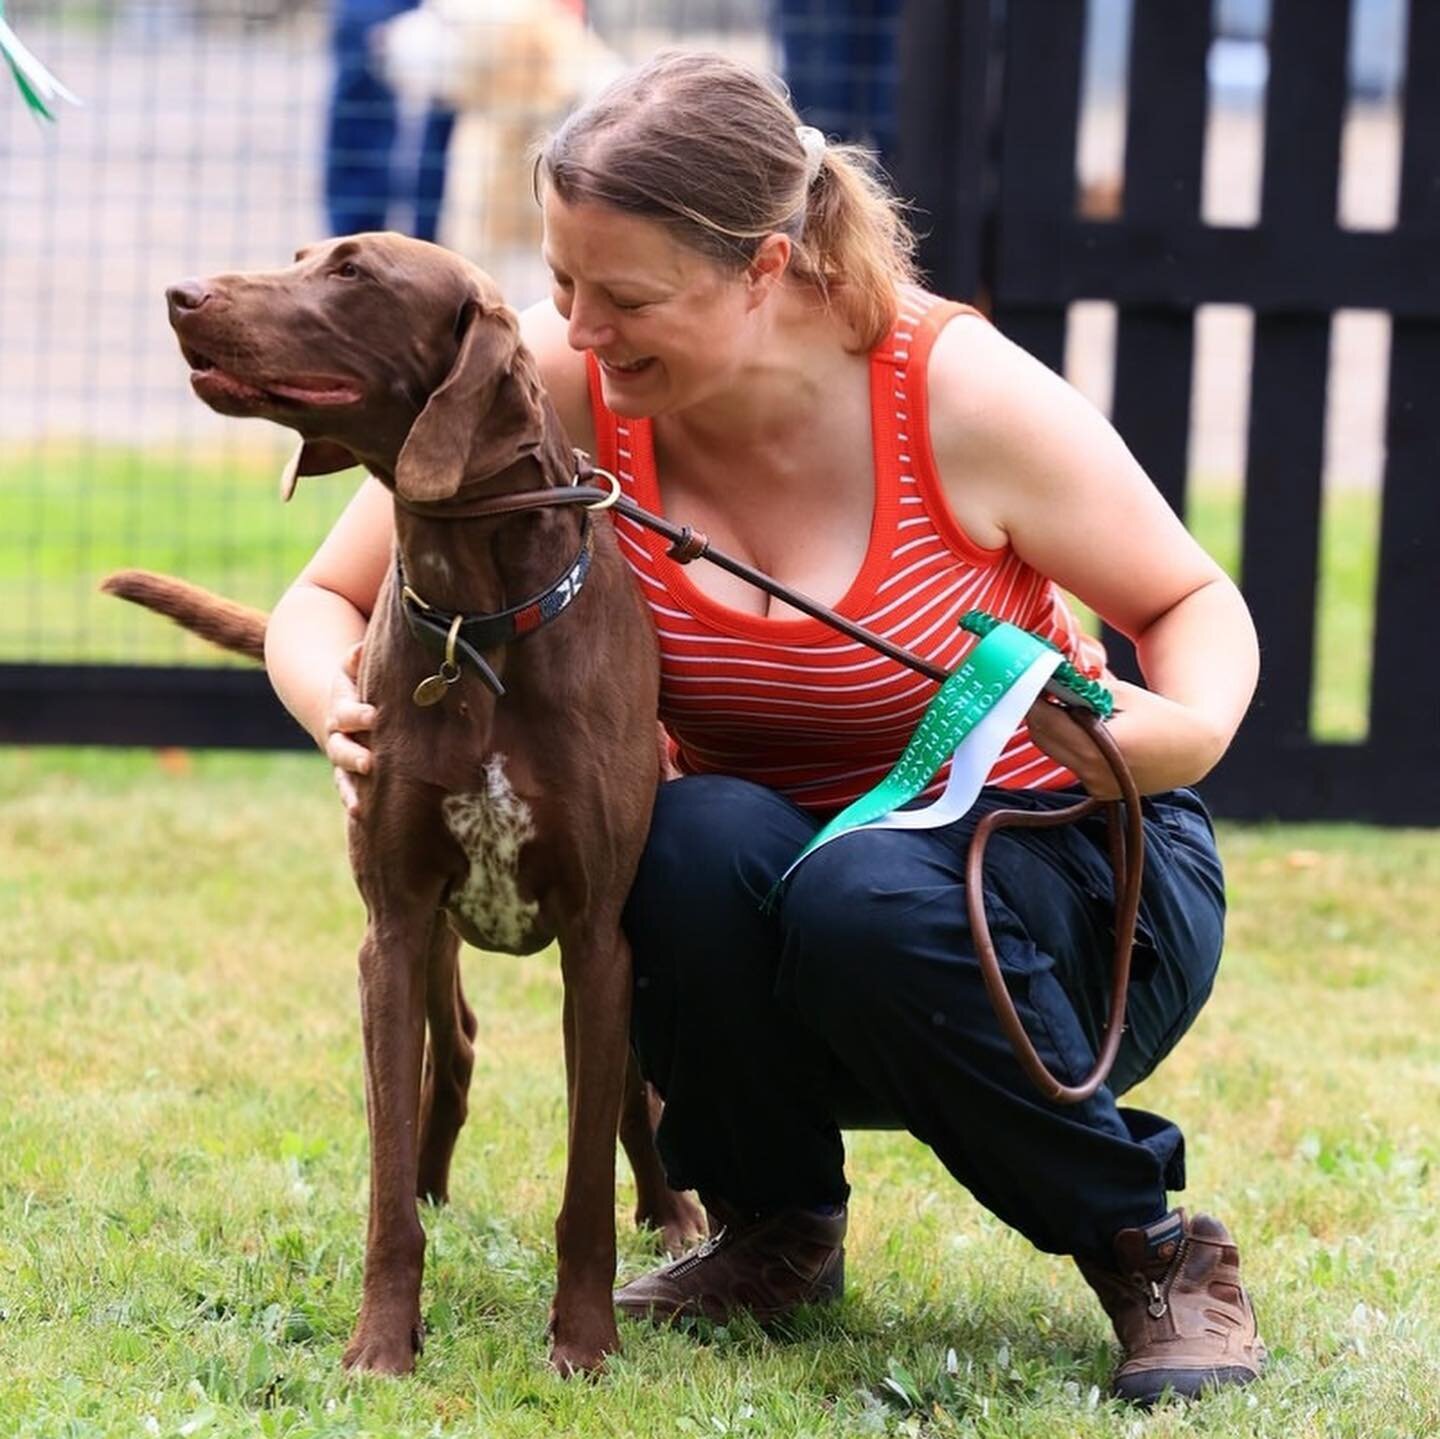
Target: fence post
946 106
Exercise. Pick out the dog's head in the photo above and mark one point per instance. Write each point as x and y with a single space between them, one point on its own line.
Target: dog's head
379 350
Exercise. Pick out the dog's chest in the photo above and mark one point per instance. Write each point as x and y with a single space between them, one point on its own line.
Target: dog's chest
491 825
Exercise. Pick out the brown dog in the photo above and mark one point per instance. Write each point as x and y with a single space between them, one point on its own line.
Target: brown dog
508 819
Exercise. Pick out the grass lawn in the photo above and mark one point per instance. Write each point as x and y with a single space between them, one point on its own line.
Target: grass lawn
183 1160
70 514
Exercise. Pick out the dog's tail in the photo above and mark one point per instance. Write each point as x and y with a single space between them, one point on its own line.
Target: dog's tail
223 622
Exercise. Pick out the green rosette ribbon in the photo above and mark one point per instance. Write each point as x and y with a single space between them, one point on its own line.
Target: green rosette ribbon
972 716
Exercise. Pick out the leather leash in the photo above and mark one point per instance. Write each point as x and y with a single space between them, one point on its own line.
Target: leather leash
1125 827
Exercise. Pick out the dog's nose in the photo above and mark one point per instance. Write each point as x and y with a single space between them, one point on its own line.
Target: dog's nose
186 296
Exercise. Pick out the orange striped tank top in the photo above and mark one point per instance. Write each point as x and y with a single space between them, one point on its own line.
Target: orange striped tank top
792 704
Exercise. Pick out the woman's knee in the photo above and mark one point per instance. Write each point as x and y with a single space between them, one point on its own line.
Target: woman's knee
696 917
711 835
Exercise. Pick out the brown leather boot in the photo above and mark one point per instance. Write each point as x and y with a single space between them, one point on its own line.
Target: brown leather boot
1179 1310
764 1267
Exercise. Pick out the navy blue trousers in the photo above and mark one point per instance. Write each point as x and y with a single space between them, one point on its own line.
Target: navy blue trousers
369 185
857 1001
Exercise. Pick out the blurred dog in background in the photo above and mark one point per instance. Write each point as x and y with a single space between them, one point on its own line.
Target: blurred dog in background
512 69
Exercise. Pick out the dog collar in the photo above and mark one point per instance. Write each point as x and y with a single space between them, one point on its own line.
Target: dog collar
456 635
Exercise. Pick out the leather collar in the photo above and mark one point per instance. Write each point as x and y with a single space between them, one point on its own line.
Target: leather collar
439 631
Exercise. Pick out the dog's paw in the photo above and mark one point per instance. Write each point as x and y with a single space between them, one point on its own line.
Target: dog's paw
580 1347
375 1350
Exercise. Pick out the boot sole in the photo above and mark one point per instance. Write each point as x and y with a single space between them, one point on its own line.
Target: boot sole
1152 1385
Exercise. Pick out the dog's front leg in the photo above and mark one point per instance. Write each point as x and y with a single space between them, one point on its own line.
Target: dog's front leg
393 966
596 965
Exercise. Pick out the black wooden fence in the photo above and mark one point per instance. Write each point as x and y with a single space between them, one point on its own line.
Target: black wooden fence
990 99
989 146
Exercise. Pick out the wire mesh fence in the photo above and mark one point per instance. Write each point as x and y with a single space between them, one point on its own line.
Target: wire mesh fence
222 134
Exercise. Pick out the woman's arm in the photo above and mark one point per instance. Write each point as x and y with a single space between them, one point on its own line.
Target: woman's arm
1026 460
312 642
543 329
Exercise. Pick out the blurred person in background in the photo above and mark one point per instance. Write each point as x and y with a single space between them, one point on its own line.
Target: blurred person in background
377 175
840 61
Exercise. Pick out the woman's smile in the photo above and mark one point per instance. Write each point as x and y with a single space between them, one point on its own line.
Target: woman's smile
626 369
665 324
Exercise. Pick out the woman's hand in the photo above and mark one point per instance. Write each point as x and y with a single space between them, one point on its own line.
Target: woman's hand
1066 743
1165 744
346 717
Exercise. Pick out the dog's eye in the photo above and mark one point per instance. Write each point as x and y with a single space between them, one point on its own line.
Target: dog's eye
348 270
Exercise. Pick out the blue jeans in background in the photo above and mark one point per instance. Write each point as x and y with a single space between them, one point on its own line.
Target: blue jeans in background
840 60
369 183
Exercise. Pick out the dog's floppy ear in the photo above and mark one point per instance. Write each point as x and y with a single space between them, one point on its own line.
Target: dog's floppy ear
483 418
314 457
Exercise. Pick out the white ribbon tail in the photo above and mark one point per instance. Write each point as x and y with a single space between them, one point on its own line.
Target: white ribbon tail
974 759
27 64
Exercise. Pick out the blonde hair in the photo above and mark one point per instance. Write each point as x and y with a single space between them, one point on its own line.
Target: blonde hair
712 150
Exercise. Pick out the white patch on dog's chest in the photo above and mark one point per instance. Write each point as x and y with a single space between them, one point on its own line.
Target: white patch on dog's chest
491 826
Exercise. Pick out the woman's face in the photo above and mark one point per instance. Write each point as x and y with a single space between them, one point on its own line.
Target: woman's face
667 324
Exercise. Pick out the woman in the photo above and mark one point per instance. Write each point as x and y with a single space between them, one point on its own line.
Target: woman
735 332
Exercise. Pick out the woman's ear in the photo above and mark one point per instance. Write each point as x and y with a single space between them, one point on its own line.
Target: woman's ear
768 266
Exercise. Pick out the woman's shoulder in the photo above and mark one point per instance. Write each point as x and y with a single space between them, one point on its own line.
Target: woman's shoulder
1014 443
562 370
987 395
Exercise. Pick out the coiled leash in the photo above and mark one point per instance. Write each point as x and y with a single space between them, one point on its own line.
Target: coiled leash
977 708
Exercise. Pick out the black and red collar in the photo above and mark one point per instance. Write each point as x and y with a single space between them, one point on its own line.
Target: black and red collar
455 635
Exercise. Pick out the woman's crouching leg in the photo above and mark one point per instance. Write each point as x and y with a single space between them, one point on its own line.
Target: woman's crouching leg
746 1119
879 960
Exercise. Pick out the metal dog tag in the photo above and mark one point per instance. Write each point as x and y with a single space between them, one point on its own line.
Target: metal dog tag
431 690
